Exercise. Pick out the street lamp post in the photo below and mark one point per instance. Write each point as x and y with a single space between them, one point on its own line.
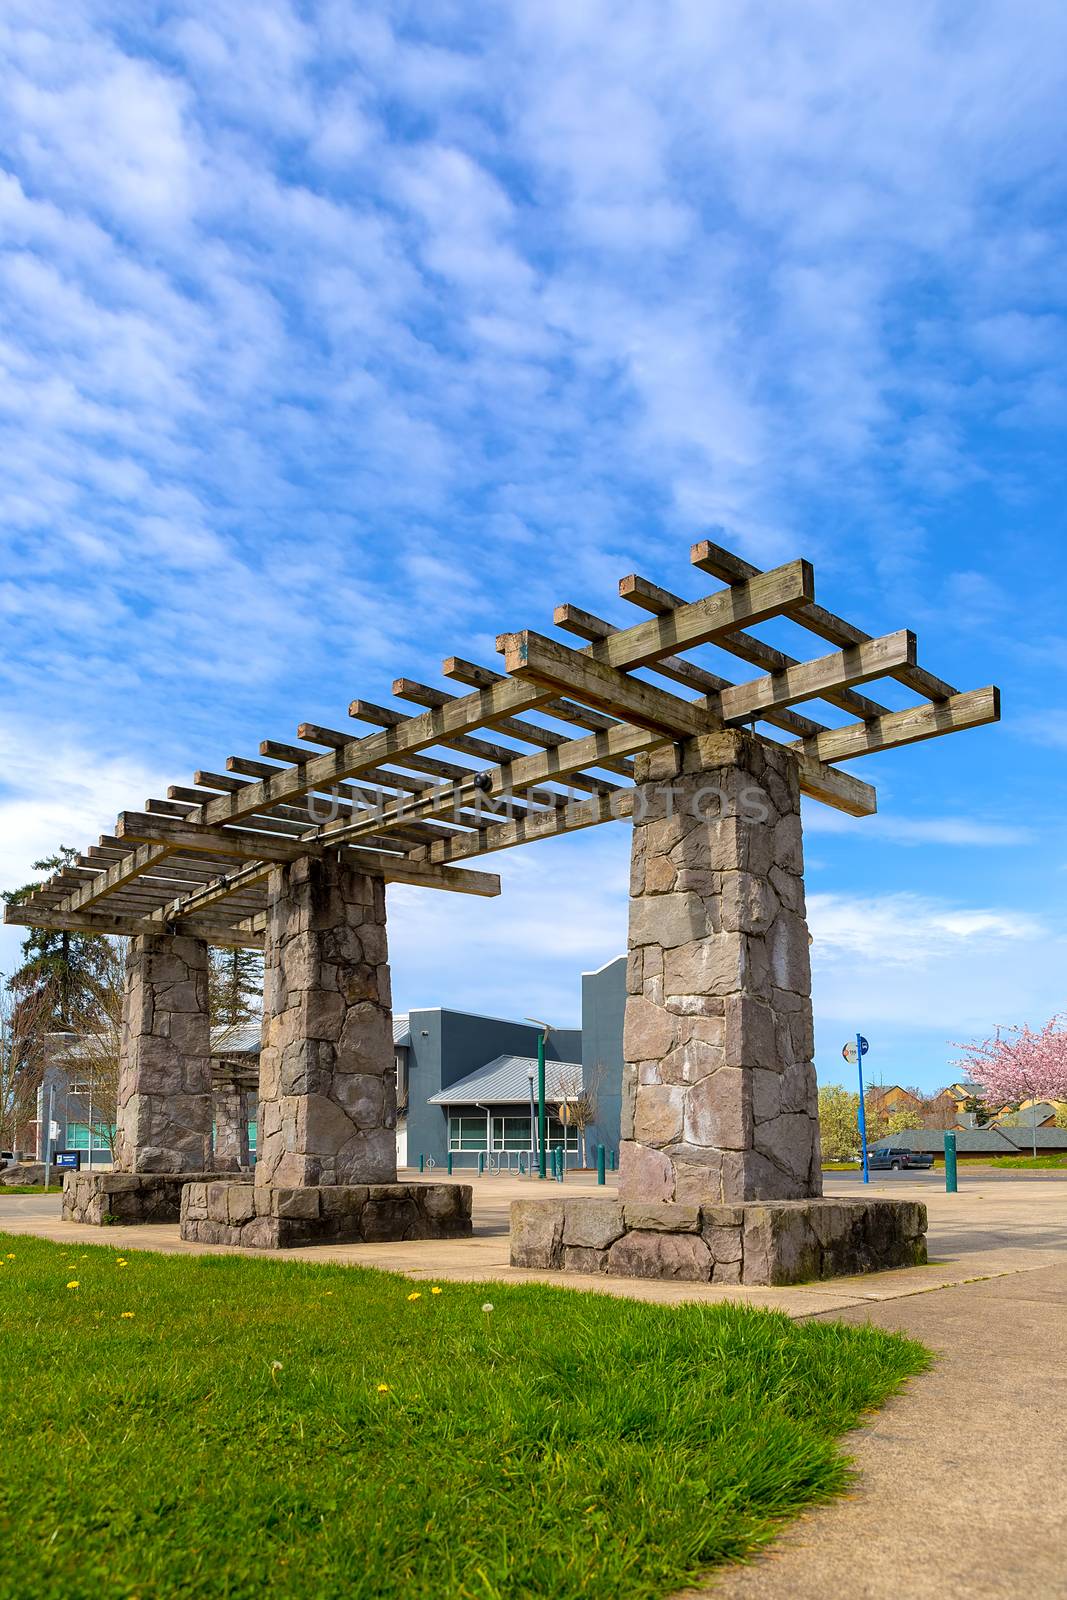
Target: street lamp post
542 1166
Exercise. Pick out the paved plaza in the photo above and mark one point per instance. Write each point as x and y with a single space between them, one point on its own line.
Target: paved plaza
997 1224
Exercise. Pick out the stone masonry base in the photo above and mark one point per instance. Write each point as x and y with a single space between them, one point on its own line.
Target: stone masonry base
272 1218
100 1198
756 1242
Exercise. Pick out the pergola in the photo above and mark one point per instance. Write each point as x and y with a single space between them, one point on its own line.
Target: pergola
196 861
290 852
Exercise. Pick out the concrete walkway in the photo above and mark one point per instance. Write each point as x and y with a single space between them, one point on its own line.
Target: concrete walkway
994 1225
961 1477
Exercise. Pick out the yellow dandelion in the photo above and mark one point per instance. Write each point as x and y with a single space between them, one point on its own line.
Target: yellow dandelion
435 1290
11 1255
416 1296
125 1313
121 1263
73 1284
383 1388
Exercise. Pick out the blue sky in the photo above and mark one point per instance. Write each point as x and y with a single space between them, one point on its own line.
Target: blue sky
336 338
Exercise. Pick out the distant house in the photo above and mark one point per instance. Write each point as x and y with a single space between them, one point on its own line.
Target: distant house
890 1098
979 1144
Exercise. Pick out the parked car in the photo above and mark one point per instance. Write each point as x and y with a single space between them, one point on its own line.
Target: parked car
898 1159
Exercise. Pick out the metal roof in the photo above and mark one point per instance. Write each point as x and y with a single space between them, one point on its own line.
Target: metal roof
506 1081
972 1141
401 1032
237 1038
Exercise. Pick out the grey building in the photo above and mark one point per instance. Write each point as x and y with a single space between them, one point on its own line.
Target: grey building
436 1050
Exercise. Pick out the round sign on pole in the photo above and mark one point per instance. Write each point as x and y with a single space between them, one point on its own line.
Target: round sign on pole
849 1050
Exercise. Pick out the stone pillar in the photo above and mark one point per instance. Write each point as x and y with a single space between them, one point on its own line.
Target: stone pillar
719 1092
231 1128
164 1090
327 1089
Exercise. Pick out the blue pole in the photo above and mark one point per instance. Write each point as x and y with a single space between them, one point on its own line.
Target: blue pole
951 1183
600 1176
863 1111
450 1163
422 1163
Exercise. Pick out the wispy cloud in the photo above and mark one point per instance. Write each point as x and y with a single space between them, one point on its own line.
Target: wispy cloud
338 338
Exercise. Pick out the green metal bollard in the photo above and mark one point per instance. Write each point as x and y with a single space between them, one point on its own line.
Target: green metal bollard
422 1163
481 1162
600 1177
614 1161
450 1163
951 1184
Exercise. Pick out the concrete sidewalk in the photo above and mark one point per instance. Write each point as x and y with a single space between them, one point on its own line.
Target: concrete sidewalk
961 1477
993 1226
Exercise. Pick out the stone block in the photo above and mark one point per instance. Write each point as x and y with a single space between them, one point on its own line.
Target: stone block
537 1233
592 1223
584 1258
774 1242
654 1254
662 1216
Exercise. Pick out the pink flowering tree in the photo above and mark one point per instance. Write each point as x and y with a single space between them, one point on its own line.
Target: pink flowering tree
1019 1064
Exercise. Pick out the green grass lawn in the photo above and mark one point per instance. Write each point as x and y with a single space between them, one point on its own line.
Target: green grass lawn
30 1188
214 1427
1028 1163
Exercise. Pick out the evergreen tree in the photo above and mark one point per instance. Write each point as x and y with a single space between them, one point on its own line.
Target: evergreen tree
236 986
66 967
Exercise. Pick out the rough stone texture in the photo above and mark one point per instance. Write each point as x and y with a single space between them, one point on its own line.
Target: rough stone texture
100 1198
768 1242
275 1218
24 1172
719 1092
164 1089
231 1129
327 1086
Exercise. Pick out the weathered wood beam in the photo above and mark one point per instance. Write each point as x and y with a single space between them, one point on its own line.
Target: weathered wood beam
768 595
530 656
519 728
242 844
971 710
810 680
215 931
585 717
524 830
652 597
723 564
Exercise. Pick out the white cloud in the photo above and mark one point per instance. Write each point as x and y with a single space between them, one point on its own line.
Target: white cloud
908 961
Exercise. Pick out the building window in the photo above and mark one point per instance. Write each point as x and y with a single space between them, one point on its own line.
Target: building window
466 1133
511 1133
78 1138
251 1138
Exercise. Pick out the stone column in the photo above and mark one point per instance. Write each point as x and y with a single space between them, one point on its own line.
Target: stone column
327 1089
164 1090
231 1128
719 1092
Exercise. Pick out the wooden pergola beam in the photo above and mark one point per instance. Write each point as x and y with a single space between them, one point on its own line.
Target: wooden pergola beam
810 680
519 728
727 567
652 597
768 595
929 721
530 656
